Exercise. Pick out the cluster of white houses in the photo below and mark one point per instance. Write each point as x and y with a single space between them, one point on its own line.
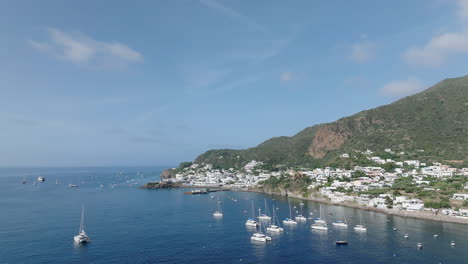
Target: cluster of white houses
342 182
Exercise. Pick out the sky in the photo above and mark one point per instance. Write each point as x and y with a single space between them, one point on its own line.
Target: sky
103 83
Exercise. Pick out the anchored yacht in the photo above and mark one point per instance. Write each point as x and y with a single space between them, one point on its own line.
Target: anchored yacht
82 237
273 227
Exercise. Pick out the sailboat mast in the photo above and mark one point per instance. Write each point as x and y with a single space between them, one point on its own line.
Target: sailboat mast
82 219
253 212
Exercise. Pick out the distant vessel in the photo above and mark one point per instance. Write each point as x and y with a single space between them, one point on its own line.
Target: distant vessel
264 216
273 227
57 181
251 221
361 226
260 236
73 185
40 178
82 237
341 242
452 243
406 236
300 217
419 245
219 212
23 181
320 223
341 223
435 236
394 229
289 221
197 192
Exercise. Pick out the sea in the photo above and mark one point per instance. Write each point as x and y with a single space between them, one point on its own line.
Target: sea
131 225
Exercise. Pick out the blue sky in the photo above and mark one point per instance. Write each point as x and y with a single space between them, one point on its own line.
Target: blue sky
159 82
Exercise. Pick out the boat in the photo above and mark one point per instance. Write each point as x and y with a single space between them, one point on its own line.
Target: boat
300 217
219 212
23 181
341 223
193 192
289 221
73 185
361 227
264 216
452 243
435 236
260 236
57 181
394 229
419 245
341 242
320 223
40 178
82 237
406 236
273 227
251 221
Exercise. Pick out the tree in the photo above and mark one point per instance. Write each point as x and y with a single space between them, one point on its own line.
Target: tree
388 202
358 174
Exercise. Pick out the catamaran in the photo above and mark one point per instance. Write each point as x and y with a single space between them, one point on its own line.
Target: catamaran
251 221
289 221
264 216
273 227
361 226
260 236
301 217
82 237
341 223
219 212
320 223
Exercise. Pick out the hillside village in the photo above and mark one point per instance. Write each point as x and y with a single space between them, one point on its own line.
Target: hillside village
409 185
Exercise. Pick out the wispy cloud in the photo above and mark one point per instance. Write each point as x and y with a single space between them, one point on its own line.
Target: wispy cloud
83 50
439 48
290 76
363 51
223 9
400 88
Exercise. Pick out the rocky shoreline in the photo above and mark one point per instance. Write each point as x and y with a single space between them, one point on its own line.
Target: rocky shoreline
426 215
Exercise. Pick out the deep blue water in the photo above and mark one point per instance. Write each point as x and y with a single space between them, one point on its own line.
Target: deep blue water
130 225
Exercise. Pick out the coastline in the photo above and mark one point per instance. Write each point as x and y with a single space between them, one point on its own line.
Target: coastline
425 215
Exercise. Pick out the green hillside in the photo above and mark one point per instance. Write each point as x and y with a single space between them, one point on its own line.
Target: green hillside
435 120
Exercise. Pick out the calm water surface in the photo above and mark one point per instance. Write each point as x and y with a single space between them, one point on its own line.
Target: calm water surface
130 225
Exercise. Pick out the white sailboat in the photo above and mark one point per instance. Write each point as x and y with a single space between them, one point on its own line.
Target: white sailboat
320 223
251 221
82 237
219 212
273 227
260 236
264 216
301 217
341 223
361 227
289 221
